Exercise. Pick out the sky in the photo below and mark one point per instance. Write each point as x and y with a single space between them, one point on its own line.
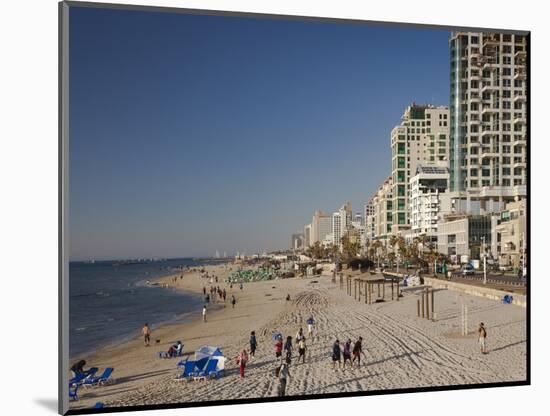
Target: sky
191 134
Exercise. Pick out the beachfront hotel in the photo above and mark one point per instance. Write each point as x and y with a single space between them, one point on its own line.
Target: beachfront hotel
422 138
488 120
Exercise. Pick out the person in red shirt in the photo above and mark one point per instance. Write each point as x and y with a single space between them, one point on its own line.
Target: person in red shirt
279 348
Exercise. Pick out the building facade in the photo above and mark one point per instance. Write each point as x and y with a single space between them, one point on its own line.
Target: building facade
307 235
466 236
382 202
429 201
297 241
511 234
422 138
487 161
321 226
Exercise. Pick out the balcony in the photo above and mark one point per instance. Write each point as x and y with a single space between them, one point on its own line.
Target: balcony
503 191
520 97
474 97
519 120
488 154
487 109
520 164
490 40
489 88
520 54
518 142
520 75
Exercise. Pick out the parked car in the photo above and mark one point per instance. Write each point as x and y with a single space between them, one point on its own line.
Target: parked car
468 269
505 268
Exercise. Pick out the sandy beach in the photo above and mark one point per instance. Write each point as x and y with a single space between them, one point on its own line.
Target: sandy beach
401 350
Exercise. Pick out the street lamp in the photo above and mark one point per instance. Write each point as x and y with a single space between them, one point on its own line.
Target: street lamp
484 261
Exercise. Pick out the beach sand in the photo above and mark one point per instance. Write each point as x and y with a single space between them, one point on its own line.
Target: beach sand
401 350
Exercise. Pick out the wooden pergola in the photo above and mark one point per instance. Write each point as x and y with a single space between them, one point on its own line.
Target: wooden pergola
365 285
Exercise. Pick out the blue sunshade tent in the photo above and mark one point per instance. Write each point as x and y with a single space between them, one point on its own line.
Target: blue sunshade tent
209 351
276 335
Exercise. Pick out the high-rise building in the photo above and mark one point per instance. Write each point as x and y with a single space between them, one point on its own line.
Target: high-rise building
341 223
422 138
307 235
382 203
336 228
297 241
488 120
321 225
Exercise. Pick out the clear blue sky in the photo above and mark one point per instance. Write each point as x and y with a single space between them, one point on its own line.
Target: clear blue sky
191 134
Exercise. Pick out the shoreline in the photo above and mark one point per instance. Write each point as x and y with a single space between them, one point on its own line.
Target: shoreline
401 349
149 283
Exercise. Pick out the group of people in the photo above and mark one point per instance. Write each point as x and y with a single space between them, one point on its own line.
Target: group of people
214 293
348 353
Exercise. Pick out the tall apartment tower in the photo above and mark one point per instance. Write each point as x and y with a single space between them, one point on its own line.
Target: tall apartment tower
369 210
321 226
307 235
422 139
488 120
382 203
341 223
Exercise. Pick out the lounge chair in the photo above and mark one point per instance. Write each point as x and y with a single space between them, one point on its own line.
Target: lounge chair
98 405
73 391
99 380
79 378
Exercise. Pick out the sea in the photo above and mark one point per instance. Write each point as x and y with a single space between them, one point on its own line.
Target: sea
111 301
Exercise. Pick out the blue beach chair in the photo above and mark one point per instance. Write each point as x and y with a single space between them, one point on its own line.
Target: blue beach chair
102 379
73 391
78 379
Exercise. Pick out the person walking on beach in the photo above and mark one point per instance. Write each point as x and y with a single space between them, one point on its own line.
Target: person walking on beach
302 350
347 353
299 335
204 313
241 286
242 359
253 343
336 354
224 295
233 301
283 375
357 351
146 331
288 348
482 332
278 348
310 322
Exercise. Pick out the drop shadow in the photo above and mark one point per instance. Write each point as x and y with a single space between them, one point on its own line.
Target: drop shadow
48 404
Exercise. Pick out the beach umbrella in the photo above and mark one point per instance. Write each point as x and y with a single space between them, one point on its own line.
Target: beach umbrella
276 335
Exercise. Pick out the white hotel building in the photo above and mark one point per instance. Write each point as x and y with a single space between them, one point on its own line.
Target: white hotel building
429 201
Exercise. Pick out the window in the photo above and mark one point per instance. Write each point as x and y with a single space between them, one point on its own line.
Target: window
401 218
